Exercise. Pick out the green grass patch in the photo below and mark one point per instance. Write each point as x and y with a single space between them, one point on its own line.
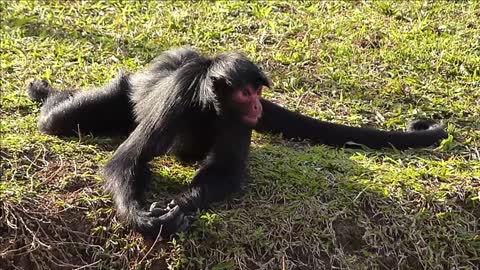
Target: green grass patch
305 207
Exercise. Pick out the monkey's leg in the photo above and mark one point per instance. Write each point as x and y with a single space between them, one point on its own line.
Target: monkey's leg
106 110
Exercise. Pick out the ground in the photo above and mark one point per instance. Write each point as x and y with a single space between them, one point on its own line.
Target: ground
375 64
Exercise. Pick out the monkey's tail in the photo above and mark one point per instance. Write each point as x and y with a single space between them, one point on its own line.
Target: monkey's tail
278 120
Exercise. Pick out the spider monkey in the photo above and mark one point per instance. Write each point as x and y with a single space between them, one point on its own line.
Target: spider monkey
198 108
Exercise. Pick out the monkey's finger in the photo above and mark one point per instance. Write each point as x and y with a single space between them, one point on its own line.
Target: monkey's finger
168 216
171 204
157 212
175 211
154 205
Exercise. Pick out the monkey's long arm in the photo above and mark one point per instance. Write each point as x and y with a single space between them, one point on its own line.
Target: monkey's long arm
278 120
223 170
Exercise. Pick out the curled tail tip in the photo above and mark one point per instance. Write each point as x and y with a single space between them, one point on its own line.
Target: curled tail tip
425 124
427 132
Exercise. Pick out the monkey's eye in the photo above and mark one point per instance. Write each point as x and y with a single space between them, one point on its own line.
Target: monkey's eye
245 92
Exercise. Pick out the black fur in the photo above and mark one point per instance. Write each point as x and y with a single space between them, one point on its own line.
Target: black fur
179 105
275 119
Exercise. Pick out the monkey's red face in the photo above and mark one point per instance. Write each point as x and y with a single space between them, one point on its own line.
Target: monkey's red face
247 101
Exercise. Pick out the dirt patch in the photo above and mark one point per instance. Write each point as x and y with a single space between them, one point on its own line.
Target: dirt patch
349 235
36 234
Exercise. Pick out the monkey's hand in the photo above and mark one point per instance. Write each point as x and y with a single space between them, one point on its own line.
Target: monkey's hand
165 221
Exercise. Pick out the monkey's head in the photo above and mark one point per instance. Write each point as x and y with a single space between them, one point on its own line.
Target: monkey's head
238 84
246 102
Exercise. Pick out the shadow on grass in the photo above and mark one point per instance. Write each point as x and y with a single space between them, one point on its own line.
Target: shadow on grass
321 207
304 206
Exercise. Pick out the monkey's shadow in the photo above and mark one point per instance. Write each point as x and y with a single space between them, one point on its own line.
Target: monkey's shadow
316 186
294 191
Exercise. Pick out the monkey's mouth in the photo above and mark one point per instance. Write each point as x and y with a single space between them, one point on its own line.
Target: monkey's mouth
251 119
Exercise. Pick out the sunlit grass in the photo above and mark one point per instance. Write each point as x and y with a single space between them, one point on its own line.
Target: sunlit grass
305 207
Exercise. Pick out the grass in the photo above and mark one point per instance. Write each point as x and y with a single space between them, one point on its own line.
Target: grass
376 63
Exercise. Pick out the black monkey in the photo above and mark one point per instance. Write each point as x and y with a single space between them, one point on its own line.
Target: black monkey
199 109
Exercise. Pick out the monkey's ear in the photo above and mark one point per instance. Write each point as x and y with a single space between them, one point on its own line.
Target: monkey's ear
265 81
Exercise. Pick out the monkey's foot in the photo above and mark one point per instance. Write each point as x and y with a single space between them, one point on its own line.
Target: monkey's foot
39 90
